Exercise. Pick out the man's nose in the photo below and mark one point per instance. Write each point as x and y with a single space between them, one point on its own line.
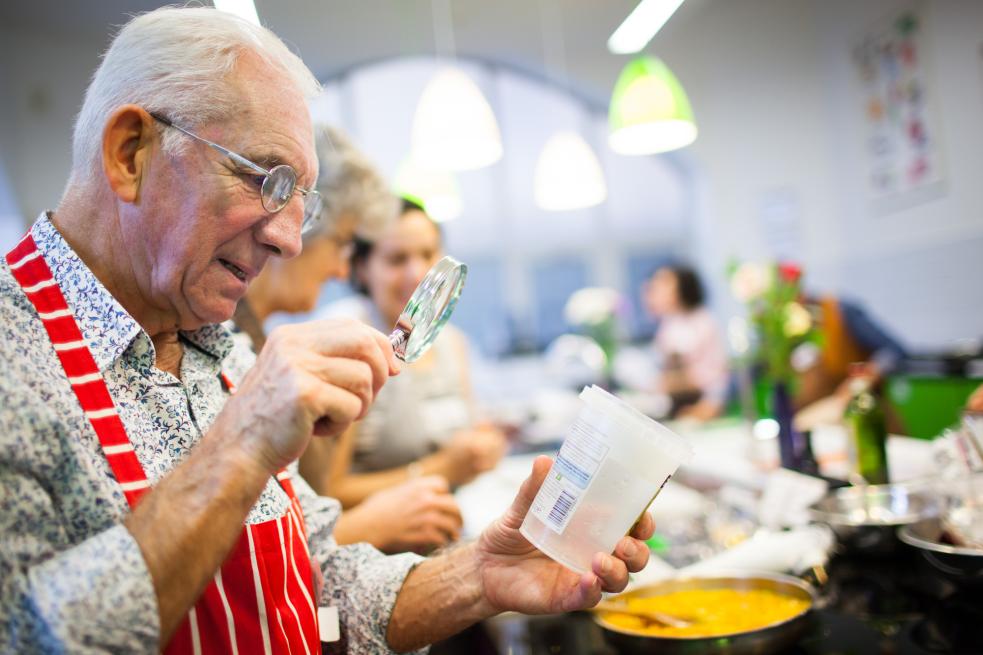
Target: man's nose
281 231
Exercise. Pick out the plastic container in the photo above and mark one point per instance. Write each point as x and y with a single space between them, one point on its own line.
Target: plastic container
612 465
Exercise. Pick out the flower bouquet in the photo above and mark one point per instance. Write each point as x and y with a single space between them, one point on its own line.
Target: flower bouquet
781 326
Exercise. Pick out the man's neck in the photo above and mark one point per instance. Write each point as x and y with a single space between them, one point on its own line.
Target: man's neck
77 221
169 352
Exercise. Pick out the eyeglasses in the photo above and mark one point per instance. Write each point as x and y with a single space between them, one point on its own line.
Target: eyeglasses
276 186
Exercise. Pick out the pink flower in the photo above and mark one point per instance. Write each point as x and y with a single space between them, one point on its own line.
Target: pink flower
790 272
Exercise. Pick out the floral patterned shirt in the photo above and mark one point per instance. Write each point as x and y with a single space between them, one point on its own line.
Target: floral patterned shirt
72 578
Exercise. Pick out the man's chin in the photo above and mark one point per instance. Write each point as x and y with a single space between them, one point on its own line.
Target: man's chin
211 313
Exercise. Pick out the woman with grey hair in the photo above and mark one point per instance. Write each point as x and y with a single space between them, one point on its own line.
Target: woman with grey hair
356 200
421 514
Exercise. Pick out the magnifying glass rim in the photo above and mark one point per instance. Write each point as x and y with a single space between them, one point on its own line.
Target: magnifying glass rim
444 269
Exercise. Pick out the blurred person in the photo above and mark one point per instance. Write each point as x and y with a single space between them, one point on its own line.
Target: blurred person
423 422
975 401
147 501
695 373
849 336
420 514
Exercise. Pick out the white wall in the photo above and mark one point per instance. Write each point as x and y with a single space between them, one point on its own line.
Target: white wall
44 78
11 221
921 264
772 85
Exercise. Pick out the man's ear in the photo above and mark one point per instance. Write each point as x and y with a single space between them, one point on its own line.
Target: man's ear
128 140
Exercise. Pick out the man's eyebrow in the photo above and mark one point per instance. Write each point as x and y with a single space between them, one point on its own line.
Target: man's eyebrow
266 160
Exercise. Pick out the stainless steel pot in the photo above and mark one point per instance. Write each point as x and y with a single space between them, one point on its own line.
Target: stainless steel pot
865 519
767 639
963 566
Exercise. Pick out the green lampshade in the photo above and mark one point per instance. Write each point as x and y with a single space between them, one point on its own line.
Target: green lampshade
649 112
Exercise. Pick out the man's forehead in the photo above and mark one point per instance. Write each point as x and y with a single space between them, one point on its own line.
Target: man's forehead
275 119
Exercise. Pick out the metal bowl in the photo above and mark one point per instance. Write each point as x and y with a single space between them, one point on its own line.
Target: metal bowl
866 518
963 566
766 639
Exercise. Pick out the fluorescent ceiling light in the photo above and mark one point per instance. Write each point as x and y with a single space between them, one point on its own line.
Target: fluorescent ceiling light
241 8
641 25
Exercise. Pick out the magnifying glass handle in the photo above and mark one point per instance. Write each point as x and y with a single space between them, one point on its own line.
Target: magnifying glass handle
400 336
398 339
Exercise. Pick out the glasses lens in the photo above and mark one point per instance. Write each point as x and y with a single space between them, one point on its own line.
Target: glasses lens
278 187
313 206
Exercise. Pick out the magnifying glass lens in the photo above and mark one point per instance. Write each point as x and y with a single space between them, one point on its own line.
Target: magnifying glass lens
429 309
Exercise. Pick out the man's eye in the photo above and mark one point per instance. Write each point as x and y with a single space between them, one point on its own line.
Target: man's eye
253 179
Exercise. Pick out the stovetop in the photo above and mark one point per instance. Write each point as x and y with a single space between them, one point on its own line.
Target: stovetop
887 604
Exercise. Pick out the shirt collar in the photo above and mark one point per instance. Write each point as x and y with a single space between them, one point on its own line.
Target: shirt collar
107 327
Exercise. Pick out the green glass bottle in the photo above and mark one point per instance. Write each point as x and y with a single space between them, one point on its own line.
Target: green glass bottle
868 432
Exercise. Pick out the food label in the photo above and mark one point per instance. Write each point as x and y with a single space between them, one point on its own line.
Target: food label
572 473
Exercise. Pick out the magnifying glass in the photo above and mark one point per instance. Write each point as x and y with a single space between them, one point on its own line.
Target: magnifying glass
428 309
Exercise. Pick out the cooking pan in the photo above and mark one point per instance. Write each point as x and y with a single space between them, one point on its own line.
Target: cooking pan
766 639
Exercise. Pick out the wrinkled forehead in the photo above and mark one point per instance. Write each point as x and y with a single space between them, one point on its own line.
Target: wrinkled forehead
273 122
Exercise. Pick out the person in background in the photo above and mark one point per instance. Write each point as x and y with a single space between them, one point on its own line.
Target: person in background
975 401
849 336
695 372
423 422
420 514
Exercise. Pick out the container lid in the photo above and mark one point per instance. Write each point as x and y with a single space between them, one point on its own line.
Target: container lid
631 419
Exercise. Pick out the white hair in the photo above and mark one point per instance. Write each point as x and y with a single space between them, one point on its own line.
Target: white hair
177 61
351 185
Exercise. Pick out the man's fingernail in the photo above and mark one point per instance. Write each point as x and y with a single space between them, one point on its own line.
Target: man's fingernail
606 564
630 549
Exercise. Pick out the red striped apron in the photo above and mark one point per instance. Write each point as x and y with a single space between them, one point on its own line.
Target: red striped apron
262 600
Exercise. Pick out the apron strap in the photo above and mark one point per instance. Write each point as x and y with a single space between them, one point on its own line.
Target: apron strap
31 272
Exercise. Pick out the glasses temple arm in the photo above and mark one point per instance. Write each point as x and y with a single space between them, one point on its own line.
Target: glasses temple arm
237 158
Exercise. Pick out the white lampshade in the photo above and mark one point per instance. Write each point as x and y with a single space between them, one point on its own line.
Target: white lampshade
568 175
454 128
436 190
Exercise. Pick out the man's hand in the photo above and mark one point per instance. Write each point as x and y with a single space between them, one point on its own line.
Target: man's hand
311 378
516 576
418 515
502 571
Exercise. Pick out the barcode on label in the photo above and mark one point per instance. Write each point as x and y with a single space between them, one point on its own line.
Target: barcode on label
561 508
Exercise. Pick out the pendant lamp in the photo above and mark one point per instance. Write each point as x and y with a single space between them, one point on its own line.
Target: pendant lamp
649 111
568 175
435 190
454 128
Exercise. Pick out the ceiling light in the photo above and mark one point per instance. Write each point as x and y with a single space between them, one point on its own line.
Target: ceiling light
641 25
435 190
649 110
241 8
454 127
568 175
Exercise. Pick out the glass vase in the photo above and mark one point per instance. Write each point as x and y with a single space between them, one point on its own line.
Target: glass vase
793 446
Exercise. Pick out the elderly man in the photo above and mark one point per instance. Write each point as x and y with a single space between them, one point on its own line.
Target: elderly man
145 505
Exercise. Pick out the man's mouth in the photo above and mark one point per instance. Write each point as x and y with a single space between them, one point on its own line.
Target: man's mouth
235 270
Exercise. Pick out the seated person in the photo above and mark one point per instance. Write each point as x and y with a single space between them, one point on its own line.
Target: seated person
422 423
975 402
695 373
849 335
420 514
